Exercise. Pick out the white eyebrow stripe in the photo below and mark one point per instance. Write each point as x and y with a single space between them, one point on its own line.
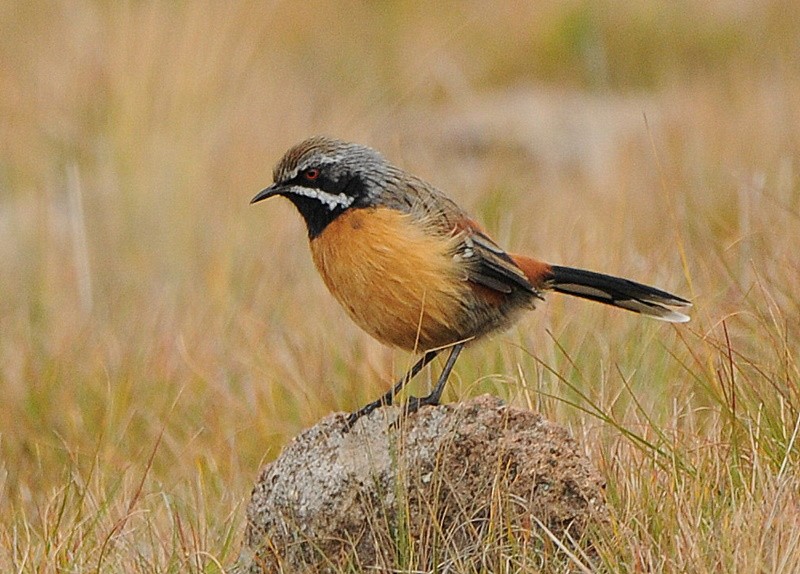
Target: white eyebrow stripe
330 200
324 160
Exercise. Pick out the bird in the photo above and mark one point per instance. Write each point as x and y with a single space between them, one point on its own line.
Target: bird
414 270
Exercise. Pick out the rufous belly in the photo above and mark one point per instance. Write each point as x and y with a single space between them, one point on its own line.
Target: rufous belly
397 280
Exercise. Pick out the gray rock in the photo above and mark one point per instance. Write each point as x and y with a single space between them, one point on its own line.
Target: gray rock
449 486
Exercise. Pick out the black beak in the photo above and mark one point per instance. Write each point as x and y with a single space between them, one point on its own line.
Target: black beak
271 191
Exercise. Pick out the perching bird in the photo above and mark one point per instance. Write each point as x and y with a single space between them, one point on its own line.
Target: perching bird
413 270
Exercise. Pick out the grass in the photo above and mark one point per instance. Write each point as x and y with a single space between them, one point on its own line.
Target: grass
160 340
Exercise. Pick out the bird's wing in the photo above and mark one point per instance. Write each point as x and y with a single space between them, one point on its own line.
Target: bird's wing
487 263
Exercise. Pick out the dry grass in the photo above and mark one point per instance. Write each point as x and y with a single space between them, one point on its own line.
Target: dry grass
159 339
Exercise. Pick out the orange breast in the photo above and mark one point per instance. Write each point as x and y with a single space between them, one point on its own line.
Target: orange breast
397 282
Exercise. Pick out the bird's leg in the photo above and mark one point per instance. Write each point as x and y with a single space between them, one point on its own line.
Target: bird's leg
388 398
414 403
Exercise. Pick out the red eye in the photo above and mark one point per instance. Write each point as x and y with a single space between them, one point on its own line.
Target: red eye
311 174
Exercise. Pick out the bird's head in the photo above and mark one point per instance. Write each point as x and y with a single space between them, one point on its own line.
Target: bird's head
324 177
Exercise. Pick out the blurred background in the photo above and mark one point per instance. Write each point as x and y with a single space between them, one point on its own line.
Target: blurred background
160 338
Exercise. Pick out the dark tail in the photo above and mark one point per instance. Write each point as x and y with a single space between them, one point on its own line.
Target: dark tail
619 293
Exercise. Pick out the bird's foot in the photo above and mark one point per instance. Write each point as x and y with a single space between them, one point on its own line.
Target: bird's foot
412 405
364 411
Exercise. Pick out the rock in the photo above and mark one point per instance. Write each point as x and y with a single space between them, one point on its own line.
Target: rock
453 484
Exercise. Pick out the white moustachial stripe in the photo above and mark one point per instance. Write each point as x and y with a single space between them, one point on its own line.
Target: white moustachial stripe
330 200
